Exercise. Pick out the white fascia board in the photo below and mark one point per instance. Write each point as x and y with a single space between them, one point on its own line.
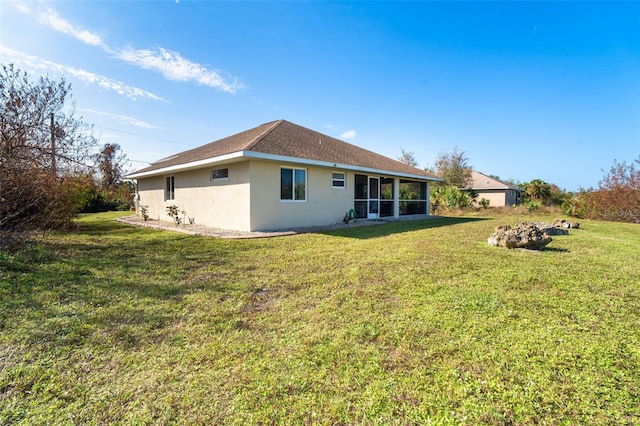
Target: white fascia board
187 166
272 157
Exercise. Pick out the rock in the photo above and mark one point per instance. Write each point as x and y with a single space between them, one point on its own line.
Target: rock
526 235
565 224
553 229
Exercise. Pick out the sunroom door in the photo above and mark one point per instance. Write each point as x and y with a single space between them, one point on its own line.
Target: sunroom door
374 198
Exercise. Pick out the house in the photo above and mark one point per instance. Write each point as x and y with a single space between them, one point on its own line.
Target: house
280 175
498 193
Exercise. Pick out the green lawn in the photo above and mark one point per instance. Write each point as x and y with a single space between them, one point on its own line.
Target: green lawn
418 322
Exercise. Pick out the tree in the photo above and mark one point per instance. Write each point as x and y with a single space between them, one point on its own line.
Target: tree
44 154
538 190
109 191
454 168
407 157
450 197
617 197
110 163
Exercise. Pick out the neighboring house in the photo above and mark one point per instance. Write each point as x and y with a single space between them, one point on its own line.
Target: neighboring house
280 175
499 194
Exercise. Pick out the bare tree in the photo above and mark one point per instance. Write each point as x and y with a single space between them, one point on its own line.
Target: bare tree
454 168
617 197
111 163
408 157
44 152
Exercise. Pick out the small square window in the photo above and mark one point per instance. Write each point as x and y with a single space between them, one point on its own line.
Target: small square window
337 180
220 174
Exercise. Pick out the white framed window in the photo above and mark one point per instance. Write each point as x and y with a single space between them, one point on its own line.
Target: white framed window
218 174
293 184
338 180
169 188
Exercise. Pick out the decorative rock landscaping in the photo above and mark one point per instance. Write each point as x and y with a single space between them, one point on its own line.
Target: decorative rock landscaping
531 236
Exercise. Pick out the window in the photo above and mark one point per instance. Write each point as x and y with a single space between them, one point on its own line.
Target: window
337 180
413 197
361 189
169 189
293 184
386 197
220 174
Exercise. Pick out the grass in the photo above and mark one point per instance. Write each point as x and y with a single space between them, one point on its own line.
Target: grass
418 322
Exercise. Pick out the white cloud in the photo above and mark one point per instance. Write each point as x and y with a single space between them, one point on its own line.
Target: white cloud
174 67
349 134
22 7
38 64
171 65
122 118
51 18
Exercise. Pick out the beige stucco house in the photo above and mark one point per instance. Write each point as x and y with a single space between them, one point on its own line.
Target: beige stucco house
280 175
498 193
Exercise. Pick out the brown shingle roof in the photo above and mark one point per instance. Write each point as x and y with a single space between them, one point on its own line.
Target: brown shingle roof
283 138
481 181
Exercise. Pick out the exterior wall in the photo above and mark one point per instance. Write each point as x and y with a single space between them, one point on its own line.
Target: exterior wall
151 194
324 205
495 197
249 199
498 197
222 203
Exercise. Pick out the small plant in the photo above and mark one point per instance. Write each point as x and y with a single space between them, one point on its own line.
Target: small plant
532 205
349 216
484 203
174 213
346 219
144 212
192 220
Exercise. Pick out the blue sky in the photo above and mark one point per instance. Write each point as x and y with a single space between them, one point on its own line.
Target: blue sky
527 90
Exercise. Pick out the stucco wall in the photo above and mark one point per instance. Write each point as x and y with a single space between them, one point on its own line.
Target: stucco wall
222 203
324 205
151 195
235 203
498 197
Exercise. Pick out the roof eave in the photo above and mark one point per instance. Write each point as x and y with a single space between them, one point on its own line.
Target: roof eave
494 188
187 166
273 157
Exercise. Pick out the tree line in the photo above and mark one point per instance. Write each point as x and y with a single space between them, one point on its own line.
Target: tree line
617 197
51 165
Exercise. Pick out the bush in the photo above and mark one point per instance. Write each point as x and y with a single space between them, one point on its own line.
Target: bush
616 199
450 197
